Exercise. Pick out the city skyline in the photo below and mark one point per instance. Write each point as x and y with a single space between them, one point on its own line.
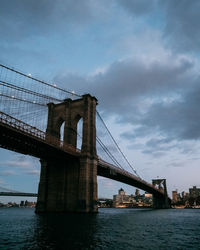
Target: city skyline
140 60
176 194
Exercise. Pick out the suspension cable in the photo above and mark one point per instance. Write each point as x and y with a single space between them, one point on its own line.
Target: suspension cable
9 85
23 100
116 144
12 86
43 82
107 151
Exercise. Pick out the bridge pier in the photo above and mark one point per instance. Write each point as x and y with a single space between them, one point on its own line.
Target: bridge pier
70 184
161 202
87 195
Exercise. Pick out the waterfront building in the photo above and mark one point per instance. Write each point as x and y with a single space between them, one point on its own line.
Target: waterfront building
174 196
22 204
147 195
137 192
194 192
184 194
124 200
191 199
120 198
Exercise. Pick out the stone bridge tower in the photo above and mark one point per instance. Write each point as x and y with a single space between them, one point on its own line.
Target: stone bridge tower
161 201
70 183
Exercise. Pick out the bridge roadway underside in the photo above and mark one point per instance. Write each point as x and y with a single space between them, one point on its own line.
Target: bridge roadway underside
24 143
119 176
18 194
21 142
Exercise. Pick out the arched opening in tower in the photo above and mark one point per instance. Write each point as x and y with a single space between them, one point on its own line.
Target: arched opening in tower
62 133
79 133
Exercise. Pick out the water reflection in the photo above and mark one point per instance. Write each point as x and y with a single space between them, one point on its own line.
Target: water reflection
65 231
109 229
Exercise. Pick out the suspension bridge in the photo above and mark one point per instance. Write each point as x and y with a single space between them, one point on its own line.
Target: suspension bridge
9 192
41 119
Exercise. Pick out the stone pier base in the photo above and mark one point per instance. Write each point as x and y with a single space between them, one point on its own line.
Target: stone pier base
69 186
161 202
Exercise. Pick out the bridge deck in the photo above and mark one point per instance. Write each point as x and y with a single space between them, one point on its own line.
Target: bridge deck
18 194
110 171
23 138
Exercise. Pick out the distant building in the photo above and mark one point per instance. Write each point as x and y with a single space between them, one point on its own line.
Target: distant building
121 192
185 199
22 204
147 195
137 192
121 198
27 204
174 196
194 192
124 200
185 195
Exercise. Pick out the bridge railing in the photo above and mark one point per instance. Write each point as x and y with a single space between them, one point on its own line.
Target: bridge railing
123 171
111 166
51 140
22 126
35 132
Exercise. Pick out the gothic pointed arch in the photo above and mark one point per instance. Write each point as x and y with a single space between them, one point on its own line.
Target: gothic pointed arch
70 112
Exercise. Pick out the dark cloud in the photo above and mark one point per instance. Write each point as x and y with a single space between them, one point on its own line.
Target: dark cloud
180 20
133 79
157 98
175 122
73 82
22 18
138 7
125 82
178 120
182 24
159 146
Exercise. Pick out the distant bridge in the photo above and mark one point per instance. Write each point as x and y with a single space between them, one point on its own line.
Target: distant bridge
18 194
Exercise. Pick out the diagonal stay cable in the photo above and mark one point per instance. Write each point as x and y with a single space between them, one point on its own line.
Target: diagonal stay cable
116 144
107 151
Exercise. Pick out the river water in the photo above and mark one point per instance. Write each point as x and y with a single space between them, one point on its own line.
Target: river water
21 228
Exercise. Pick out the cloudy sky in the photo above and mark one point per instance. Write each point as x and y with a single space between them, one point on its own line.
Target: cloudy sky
140 58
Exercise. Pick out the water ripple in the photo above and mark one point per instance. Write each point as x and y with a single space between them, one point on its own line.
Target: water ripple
109 229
